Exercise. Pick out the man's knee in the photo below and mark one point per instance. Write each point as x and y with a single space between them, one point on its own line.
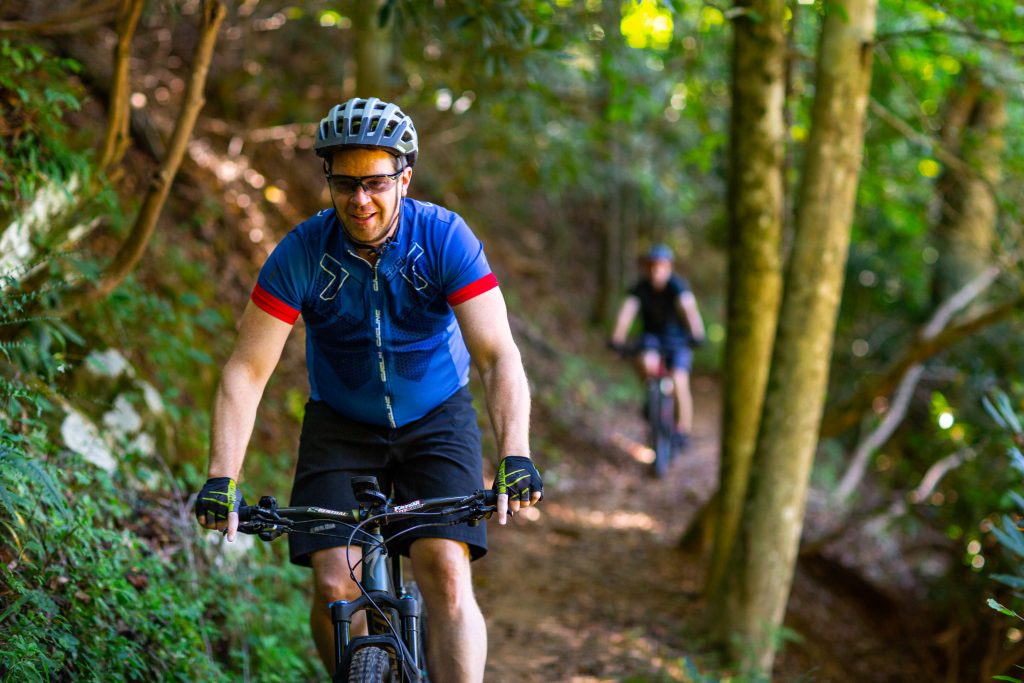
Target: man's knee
650 361
441 567
331 577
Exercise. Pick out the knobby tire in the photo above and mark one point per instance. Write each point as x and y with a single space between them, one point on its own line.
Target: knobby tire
371 665
661 424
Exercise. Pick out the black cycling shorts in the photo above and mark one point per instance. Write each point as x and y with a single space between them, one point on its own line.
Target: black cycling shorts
437 455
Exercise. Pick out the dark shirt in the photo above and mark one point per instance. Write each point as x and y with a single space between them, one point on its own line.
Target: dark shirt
659 313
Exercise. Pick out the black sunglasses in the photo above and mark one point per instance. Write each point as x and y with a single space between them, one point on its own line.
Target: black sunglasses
371 184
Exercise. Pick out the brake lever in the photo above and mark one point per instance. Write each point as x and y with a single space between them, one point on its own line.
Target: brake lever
271 534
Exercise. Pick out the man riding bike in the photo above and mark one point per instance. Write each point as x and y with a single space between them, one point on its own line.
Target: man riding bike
397 298
671 327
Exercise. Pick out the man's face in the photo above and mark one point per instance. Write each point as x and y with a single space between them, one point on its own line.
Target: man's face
368 217
658 272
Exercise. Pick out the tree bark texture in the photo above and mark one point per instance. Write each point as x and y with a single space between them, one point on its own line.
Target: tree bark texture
756 200
965 233
798 377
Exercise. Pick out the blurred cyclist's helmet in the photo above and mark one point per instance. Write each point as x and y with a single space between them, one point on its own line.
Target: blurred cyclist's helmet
659 252
368 123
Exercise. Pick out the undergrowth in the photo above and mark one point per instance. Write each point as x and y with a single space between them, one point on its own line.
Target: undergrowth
103 578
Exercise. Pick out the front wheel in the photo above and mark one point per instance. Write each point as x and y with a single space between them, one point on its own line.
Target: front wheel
661 423
371 665
662 452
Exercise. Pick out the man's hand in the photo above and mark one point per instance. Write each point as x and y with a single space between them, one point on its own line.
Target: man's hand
518 484
217 503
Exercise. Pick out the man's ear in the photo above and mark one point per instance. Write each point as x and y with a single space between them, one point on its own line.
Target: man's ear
406 179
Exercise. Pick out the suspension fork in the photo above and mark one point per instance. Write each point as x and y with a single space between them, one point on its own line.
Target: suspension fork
388 593
375 581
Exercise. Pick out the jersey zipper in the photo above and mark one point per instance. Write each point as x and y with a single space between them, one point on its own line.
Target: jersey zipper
378 336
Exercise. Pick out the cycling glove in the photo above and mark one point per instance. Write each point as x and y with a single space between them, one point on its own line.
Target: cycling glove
219 496
518 478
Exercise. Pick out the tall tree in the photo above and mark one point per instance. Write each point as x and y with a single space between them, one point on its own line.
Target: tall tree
371 49
755 202
761 580
965 233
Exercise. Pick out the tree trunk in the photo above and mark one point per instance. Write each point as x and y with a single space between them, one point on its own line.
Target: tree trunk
116 140
794 400
755 204
613 231
371 49
965 233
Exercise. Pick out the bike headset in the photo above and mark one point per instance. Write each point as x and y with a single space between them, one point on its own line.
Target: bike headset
368 124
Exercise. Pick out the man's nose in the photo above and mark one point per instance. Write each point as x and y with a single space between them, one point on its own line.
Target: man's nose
360 196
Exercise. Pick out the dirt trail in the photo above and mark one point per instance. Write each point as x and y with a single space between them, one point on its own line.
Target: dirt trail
602 593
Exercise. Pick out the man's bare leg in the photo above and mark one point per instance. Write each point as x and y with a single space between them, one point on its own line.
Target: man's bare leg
457 636
684 402
331 581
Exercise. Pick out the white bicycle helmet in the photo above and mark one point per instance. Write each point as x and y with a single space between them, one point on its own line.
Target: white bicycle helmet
367 123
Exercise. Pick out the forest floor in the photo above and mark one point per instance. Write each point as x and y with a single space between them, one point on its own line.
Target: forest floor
596 588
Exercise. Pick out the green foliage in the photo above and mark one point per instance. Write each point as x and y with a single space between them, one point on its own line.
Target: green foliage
185 330
88 598
103 581
102 587
1008 530
37 90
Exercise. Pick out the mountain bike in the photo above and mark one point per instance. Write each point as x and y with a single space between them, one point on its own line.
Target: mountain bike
394 650
659 410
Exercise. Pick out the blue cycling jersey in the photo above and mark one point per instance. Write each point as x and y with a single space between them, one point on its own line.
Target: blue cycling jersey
382 343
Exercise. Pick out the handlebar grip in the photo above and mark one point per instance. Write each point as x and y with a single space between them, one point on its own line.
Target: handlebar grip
245 513
490 497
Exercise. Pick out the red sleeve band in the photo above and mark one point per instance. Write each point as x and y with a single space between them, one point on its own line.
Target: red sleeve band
473 289
274 306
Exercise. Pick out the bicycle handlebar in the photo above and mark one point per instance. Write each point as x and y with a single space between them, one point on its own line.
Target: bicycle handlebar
270 521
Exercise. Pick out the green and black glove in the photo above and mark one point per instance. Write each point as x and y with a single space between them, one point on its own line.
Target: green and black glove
518 478
219 496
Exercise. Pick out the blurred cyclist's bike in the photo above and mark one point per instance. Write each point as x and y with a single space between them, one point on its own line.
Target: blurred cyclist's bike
394 650
659 411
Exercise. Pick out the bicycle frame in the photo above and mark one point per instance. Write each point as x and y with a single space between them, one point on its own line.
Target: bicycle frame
661 421
394 618
661 417
384 591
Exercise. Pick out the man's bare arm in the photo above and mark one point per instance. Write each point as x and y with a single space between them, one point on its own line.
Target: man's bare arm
261 338
688 309
484 324
624 319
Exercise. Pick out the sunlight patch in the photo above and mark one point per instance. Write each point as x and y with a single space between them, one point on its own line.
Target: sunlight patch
634 449
618 519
